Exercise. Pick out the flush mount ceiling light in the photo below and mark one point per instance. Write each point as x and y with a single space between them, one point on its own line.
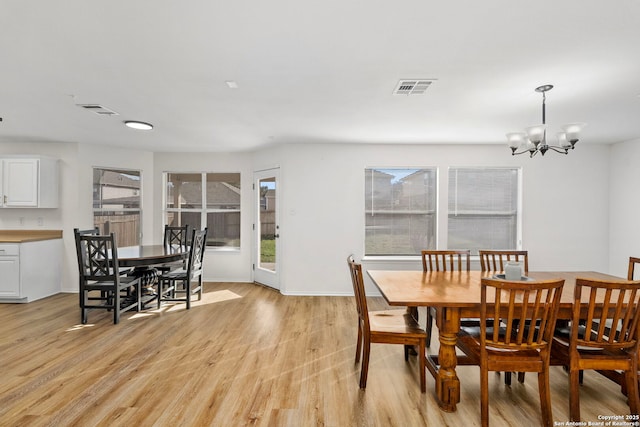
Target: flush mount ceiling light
134 124
535 139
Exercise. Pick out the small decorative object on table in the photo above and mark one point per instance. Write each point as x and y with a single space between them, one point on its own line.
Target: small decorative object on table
513 270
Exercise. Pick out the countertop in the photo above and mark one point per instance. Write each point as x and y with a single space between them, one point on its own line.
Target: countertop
21 236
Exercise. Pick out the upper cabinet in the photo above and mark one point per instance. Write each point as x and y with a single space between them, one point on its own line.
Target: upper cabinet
29 182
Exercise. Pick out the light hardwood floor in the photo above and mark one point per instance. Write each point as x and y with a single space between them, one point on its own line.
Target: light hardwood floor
244 355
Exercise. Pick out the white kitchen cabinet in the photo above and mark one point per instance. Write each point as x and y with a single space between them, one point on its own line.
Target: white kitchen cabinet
29 182
30 270
9 271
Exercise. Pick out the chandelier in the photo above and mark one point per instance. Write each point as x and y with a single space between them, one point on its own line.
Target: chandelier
535 139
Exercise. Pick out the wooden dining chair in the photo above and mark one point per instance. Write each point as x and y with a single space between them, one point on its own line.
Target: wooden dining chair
102 284
174 237
615 375
563 332
507 340
494 261
612 345
384 327
180 281
441 260
86 232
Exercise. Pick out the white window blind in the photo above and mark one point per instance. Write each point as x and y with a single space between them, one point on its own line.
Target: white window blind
483 208
400 210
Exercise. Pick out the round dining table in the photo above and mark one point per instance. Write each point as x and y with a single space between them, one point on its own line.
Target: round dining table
142 260
149 255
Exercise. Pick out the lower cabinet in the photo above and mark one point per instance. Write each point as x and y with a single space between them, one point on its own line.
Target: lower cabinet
9 271
30 270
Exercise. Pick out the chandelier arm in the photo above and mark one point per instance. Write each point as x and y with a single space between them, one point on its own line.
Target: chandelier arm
558 149
515 153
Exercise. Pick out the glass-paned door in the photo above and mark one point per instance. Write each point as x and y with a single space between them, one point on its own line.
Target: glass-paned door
266 228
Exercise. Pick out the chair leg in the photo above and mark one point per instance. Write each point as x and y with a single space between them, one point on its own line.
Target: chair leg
507 378
545 397
188 293
413 312
574 395
160 290
581 375
359 344
632 390
484 396
429 326
521 377
423 368
116 307
83 310
365 362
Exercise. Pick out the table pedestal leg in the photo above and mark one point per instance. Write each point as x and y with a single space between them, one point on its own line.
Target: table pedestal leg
447 382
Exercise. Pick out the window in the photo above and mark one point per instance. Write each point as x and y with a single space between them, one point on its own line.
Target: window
483 208
117 204
400 211
205 200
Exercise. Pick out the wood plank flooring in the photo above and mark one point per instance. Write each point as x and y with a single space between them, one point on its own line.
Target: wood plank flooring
244 355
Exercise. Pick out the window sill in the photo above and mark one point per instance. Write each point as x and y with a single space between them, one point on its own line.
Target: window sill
387 258
221 249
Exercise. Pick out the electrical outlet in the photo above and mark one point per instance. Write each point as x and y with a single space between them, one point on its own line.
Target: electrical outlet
21 220
40 221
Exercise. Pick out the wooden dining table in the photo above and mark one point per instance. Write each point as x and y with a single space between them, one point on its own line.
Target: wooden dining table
456 295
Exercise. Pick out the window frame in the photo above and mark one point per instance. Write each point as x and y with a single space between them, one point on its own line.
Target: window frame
203 210
139 210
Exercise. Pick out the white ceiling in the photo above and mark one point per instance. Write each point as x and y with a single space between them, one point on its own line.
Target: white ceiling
315 70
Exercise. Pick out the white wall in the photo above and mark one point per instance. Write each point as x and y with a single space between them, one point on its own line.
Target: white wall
565 212
566 203
219 265
76 193
624 228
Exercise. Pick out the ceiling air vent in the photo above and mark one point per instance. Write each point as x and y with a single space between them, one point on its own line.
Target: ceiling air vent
98 109
412 87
